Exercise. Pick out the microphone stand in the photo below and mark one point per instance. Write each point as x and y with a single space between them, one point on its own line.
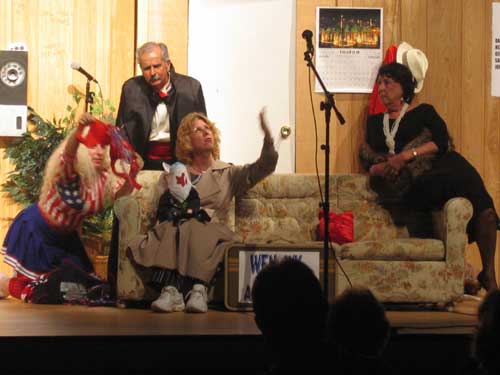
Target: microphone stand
327 105
89 96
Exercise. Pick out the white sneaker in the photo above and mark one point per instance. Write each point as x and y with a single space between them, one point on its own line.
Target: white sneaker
170 300
197 302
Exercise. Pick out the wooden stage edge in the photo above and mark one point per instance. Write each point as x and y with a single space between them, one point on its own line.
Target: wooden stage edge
18 319
88 340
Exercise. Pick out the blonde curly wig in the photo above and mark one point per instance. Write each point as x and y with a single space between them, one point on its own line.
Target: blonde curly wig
184 148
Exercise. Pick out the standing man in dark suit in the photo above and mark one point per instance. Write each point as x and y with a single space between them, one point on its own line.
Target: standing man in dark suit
152 105
150 111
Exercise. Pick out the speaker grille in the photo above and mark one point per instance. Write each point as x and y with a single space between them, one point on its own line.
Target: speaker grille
13 77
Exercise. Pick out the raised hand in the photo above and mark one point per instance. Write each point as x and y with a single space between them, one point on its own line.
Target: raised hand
73 140
85 119
264 126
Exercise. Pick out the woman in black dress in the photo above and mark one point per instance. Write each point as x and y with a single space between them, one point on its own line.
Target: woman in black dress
410 148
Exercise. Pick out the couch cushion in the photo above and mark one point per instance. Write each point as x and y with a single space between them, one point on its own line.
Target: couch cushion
274 229
281 207
400 281
404 249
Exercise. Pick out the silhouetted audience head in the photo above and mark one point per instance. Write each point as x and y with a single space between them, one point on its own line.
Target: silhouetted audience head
486 346
290 309
357 326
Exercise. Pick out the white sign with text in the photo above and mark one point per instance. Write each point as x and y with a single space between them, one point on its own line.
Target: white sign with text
251 262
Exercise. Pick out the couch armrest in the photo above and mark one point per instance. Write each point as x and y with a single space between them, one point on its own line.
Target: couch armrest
450 226
138 210
127 210
450 223
136 214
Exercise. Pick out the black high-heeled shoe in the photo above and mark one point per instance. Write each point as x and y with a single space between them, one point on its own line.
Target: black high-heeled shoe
483 281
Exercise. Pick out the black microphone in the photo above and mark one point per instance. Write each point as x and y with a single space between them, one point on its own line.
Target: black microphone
307 35
76 66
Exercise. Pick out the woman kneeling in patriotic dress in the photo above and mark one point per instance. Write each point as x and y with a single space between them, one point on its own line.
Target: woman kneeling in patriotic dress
79 181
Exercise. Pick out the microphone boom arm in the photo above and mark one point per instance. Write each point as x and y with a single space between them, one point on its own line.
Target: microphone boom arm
89 95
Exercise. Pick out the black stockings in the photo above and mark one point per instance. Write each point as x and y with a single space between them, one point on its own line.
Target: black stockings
486 238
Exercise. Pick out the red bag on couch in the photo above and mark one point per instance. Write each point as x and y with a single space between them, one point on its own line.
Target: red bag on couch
341 226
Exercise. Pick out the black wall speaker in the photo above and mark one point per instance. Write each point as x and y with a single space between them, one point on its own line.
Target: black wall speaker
13 77
13 92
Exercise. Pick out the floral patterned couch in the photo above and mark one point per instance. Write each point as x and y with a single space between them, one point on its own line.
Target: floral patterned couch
396 266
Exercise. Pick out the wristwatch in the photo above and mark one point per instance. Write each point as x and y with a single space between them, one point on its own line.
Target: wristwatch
414 153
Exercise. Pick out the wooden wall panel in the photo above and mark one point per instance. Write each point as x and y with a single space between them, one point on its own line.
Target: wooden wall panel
414 31
100 35
121 65
414 23
474 65
305 145
54 49
97 34
444 54
165 21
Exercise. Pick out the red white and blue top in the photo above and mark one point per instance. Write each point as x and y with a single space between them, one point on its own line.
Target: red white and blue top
69 201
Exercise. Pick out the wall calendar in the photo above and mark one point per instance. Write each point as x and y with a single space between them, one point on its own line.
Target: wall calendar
348 48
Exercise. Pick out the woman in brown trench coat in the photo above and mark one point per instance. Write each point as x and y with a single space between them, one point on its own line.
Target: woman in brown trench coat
185 256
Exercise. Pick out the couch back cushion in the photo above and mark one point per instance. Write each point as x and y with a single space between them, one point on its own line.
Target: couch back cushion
282 207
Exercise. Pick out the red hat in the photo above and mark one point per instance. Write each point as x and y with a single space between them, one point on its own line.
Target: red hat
104 134
98 134
376 106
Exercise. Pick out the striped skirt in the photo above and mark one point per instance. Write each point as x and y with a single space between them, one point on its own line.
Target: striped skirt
34 248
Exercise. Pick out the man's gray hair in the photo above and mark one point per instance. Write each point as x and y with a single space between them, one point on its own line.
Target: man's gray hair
150 46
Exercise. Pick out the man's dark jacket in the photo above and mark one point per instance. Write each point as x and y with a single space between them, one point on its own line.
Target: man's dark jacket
138 104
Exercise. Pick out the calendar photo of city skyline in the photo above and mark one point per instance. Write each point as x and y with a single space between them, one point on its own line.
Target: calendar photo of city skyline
349 28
